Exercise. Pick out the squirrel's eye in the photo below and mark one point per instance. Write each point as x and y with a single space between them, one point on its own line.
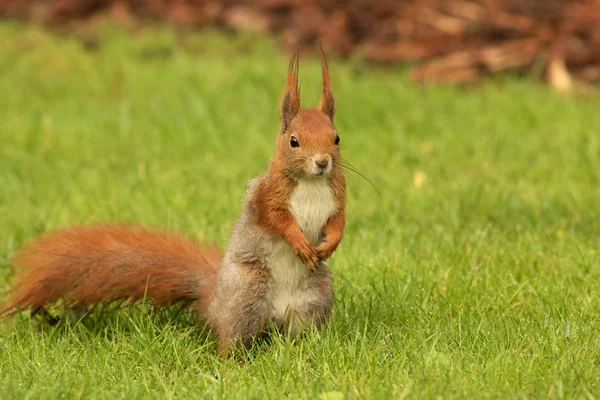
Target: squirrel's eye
337 139
294 142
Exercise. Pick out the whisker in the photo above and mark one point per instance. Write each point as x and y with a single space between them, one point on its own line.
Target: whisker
346 161
348 165
354 181
351 168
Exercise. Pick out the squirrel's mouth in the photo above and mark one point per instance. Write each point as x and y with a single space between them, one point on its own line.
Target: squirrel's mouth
319 167
321 173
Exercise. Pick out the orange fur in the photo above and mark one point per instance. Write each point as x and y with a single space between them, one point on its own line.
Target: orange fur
88 265
290 101
315 131
272 197
334 228
327 104
333 232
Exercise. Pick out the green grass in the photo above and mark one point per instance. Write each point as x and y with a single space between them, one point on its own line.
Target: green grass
481 282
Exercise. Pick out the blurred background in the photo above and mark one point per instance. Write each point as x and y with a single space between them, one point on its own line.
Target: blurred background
470 270
444 40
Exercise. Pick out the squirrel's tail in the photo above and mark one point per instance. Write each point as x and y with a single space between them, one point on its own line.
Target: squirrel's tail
88 265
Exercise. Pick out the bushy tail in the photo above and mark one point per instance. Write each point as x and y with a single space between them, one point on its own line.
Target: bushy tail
89 265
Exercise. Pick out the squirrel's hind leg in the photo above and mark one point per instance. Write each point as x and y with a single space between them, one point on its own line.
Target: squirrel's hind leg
239 310
316 312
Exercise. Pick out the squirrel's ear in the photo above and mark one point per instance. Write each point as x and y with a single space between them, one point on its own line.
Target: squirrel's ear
290 102
327 104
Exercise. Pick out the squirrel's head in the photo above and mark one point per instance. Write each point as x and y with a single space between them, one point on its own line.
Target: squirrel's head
308 143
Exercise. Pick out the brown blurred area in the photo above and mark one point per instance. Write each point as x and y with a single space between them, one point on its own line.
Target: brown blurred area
445 40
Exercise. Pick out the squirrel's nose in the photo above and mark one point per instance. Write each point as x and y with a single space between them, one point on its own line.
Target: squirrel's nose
322 162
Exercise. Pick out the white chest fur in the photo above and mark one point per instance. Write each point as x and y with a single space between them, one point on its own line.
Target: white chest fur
311 205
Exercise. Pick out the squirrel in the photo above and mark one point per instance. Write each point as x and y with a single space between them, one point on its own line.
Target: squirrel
272 273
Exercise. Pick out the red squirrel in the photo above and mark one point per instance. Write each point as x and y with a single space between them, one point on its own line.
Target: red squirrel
272 272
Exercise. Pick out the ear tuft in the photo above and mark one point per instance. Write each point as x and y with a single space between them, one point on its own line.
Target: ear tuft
327 104
290 101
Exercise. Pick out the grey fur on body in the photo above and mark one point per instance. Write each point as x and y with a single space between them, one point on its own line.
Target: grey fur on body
262 282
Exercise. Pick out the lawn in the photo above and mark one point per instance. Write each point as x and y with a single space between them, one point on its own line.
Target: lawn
471 271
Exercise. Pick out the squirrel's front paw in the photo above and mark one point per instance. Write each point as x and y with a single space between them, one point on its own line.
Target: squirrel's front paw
324 251
306 252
